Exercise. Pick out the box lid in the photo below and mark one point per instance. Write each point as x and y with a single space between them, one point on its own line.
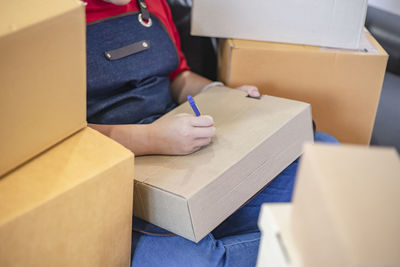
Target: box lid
368 45
252 121
14 15
69 163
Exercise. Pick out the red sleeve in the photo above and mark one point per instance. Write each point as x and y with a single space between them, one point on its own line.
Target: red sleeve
170 25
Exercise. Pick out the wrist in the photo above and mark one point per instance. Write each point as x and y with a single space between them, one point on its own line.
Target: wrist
151 138
212 84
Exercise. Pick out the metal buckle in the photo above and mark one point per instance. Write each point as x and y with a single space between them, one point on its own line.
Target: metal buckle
146 24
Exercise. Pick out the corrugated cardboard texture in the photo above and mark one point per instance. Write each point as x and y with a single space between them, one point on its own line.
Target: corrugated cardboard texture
345 206
256 139
43 76
330 23
70 206
342 86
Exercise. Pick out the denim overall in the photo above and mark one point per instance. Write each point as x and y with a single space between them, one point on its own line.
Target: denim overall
135 88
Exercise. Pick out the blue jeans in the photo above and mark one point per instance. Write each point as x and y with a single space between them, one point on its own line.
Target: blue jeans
233 243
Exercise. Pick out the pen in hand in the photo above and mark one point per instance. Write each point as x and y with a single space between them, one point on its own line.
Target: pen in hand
193 105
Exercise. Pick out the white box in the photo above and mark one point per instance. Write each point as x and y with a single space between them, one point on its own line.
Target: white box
277 247
330 23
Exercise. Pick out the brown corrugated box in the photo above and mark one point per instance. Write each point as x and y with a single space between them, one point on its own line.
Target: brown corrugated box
70 206
256 139
345 206
42 76
342 86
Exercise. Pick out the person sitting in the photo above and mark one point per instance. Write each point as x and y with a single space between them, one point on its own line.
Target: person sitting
136 72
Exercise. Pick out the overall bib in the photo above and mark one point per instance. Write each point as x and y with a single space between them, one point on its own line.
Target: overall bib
127 70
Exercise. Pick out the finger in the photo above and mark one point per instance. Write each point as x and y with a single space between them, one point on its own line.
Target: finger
202 121
200 142
250 90
203 132
253 92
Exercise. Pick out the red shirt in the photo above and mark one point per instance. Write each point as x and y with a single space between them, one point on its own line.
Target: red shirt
98 9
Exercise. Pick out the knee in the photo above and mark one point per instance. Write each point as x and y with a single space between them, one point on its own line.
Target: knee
325 138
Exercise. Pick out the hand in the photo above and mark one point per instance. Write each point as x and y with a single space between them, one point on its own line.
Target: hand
250 90
181 134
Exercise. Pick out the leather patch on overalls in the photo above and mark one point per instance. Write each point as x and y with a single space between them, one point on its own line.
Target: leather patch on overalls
127 50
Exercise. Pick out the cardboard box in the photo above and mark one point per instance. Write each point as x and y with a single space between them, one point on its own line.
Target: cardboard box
256 139
329 23
345 206
43 76
277 247
342 86
70 206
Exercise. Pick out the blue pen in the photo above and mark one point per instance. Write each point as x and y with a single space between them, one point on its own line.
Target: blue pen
193 105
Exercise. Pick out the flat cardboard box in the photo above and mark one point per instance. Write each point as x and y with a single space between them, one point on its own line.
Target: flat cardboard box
256 139
43 76
277 247
70 206
342 86
329 23
345 206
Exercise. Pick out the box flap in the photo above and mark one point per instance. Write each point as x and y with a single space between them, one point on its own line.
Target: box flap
368 45
242 124
57 170
16 15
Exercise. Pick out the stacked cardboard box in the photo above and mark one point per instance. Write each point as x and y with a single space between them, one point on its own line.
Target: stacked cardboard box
344 211
256 139
69 206
342 86
71 203
42 80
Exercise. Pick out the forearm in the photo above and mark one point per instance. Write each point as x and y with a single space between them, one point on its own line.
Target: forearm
187 83
135 137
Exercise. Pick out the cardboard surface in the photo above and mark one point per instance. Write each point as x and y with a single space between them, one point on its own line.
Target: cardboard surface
256 139
345 206
330 23
342 86
70 206
277 247
43 76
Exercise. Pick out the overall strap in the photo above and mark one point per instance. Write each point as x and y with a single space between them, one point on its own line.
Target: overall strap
144 14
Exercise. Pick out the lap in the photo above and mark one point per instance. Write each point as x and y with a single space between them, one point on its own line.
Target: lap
238 250
233 243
